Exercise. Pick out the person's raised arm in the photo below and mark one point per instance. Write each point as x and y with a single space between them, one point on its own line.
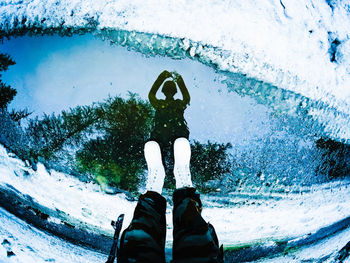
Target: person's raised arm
180 82
155 87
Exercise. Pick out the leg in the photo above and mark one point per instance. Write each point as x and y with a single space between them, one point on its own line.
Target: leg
194 239
156 172
182 156
144 240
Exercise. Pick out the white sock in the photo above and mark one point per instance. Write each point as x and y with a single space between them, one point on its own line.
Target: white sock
182 155
156 172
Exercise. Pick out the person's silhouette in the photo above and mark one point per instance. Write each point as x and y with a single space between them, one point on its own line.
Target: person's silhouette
169 121
194 240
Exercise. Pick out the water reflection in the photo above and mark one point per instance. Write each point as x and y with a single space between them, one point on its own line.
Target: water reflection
262 168
258 148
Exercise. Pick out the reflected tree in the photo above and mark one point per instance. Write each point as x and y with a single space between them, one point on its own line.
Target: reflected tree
7 93
335 162
210 161
11 134
106 140
116 155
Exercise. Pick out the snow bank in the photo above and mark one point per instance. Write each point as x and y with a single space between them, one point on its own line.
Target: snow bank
31 245
300 47
83 201
238 218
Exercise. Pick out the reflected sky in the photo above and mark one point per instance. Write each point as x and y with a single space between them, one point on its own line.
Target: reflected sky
54 73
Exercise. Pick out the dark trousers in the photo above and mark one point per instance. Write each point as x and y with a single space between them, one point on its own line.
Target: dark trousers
195 240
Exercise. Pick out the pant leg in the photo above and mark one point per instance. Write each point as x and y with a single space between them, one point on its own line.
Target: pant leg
144 239
195 240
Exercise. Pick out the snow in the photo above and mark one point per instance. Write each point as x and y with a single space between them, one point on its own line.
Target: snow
323 249
237 218
34 246
283 43
83 201
291 216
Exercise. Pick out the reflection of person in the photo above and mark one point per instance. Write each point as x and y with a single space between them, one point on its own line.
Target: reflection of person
194 239
169 121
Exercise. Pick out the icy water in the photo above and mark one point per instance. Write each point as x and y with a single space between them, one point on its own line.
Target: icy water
54 73
272 141
280 185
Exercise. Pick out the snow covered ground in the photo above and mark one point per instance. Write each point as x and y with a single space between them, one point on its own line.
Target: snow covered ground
324 251
239 218
31 245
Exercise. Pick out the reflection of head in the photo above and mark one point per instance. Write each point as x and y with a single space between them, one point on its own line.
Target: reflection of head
169 89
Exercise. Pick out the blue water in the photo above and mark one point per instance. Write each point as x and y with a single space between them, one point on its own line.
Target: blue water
272 135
